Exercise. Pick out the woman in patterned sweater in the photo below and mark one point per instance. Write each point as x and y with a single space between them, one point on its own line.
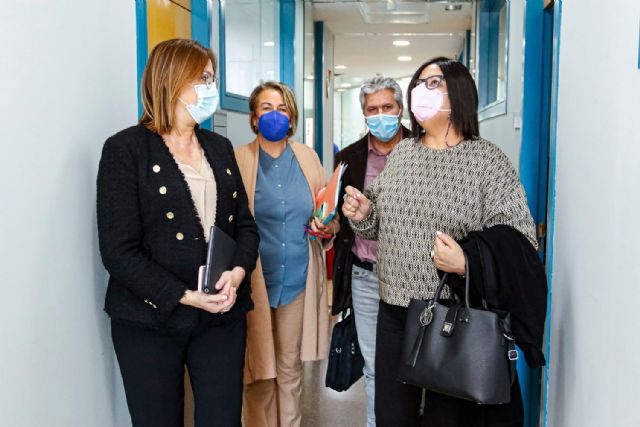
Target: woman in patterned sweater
438 186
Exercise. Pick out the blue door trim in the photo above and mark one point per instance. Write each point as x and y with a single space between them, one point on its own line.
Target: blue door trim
201 32
533 160
287 36
531 114
142 45
318 72
551 210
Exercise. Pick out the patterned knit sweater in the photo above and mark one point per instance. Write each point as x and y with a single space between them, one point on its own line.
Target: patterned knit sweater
457 190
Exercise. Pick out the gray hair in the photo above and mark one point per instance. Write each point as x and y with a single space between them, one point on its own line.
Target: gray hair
378 83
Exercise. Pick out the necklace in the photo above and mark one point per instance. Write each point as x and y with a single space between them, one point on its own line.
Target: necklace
446 135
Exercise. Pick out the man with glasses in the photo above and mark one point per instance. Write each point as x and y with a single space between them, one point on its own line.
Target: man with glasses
355 280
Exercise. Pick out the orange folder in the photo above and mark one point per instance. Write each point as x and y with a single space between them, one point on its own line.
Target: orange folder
327 197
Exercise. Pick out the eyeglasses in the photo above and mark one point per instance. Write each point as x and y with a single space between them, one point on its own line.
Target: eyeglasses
209 80
431 82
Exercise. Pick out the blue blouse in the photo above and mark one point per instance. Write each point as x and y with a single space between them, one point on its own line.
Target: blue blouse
283 205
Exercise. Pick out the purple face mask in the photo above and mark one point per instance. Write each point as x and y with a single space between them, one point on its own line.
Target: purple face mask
426 103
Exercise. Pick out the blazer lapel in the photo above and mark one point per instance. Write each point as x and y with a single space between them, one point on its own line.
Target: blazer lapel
160 150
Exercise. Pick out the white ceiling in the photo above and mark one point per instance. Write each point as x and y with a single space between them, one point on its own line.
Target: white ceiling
367 49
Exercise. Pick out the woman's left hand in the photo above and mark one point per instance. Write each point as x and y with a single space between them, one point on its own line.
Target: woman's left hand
228 284
330 229
448 255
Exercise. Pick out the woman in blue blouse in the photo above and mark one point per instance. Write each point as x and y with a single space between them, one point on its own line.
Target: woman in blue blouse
290 322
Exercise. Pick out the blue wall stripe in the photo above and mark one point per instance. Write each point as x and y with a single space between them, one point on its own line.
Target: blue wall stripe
318 72
555 80
201 32
467 49
287 37
142 44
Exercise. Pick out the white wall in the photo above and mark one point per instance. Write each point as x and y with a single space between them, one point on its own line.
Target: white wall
350 124
594 369
68 81
500 130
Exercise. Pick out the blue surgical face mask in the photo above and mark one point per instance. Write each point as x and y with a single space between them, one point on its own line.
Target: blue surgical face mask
206 103
383 126
273 126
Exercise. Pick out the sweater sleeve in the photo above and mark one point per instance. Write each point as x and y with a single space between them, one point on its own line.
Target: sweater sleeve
505 201
120 233
368 228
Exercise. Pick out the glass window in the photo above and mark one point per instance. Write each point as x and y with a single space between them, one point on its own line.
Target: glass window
492 53
251 44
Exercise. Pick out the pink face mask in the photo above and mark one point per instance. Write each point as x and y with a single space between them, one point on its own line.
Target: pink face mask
425 103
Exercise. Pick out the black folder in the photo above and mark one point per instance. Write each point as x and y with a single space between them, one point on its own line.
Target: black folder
220 254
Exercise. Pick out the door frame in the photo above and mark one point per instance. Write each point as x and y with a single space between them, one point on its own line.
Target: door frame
533 165
551 201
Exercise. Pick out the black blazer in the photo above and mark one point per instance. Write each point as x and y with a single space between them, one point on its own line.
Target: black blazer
151 239
355 155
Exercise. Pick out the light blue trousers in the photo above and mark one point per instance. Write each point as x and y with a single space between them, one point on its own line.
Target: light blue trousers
365 296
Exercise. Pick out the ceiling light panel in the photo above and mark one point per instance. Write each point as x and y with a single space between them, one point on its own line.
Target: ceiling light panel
395 12
401 43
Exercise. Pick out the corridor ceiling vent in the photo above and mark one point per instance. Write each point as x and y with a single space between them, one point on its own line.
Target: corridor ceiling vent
394 12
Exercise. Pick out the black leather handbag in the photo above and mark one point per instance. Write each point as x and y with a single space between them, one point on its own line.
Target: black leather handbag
468 353
345 359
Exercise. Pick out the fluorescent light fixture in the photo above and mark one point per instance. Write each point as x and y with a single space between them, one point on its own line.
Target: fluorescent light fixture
345 85
452 7
401 43
340 67
395 12
269 44
340 90
404 58
309 77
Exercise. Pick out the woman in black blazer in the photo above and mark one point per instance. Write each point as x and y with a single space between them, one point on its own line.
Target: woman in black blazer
160 184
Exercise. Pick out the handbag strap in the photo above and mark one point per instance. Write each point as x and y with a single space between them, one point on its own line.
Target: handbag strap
443 281
512 352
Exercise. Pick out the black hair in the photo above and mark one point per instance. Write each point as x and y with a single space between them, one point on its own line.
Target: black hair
463 97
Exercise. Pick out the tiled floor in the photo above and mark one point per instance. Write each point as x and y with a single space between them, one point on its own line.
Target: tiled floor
323 407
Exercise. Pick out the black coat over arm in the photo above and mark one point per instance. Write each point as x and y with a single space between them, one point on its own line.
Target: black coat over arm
506 271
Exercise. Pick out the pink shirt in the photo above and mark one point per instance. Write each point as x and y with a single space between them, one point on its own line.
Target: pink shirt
367 250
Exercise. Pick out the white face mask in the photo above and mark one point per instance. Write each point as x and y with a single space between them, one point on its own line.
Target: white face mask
206 104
